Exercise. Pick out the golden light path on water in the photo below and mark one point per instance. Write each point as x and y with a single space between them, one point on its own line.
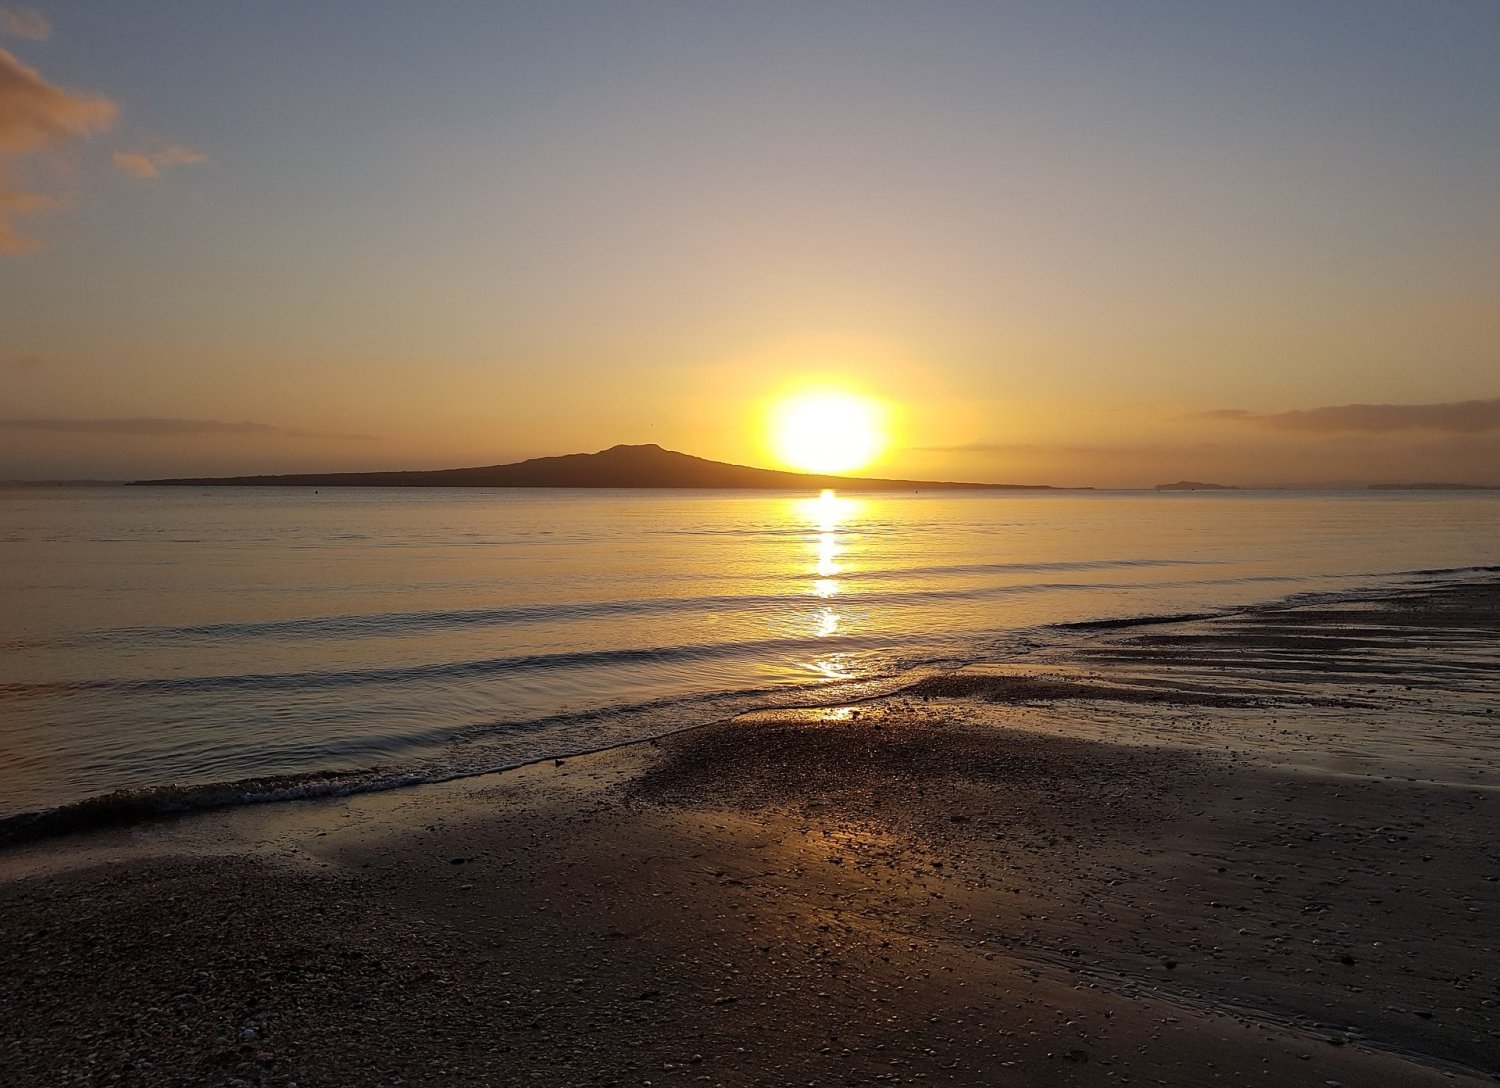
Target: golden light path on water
828 515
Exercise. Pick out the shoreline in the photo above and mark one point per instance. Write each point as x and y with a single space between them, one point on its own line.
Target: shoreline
1140 860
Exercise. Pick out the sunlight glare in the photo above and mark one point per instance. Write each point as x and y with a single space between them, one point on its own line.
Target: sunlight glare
827 432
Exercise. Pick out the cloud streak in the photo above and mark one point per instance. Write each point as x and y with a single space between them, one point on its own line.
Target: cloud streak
1458 417
154 427
37 117
1037 449
23 22
149 164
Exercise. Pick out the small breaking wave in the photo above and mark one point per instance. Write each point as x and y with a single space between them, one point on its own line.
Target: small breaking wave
124 807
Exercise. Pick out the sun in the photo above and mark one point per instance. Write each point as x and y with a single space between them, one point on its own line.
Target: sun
827 431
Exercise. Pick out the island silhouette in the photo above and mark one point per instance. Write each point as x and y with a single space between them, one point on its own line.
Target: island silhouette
1196 485
644 466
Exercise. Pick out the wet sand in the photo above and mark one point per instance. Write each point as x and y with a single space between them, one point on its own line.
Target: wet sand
1227 851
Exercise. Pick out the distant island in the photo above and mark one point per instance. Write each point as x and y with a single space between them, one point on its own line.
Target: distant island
1195 485
646 466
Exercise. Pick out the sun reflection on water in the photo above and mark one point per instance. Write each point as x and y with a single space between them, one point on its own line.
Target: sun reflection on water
828 512
833 667
828 550
828 623
828 516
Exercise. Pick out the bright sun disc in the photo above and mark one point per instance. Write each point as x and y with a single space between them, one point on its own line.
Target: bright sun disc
826 432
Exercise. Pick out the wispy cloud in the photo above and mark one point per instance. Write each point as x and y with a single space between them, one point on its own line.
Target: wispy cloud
23 22
1033 449
1458 417
35 117
22 362
149 164
153 427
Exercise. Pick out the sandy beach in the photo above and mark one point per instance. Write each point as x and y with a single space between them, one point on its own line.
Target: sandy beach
783 544
1229 851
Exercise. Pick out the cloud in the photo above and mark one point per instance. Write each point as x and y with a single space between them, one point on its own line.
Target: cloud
22 22
1459 417
22 362
152 427
36 117
1034 449
149 164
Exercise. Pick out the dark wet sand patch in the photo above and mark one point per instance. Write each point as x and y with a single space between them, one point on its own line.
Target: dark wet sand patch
1040 689
893 757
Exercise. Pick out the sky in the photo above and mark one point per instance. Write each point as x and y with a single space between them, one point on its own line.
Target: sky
1078 243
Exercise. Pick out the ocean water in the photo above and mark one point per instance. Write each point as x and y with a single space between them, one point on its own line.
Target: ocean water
182 642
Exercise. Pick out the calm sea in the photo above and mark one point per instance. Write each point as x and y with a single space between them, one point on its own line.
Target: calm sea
179 640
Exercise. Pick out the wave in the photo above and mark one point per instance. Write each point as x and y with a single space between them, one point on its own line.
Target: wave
655 655
130 806
387 623
446 670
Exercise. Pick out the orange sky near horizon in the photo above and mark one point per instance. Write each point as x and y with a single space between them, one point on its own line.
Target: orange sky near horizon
1060 243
